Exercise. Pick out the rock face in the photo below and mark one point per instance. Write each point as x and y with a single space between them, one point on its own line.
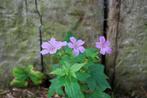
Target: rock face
130 32
20 22
19 41
20 44
82 17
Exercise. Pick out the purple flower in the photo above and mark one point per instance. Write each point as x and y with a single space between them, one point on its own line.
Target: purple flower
76 45
61 44
103 45
52 46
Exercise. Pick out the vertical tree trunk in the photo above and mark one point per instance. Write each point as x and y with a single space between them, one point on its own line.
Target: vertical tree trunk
128 35
112 36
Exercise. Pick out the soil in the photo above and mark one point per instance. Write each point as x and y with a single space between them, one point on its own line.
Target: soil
35 92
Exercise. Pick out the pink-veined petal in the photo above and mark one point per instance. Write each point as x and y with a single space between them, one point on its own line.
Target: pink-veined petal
76 52
82 49
98 45
102 39
72 39
64 43
52 50
107 43
80 42
108 50
52 39
45 45
70 45
58 45
102 51
44 52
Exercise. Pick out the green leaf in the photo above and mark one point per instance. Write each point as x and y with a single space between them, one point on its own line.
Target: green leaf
98 76
91 52
77 67
29 68
72 89
24 74
92 55
79 59
19 83
19 73
98 94
64 59
20 77
68 70
35 76
82 76
91 83
56 87
73 74
58 72
68 50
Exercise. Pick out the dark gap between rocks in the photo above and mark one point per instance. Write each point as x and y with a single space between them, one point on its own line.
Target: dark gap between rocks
40 34
105 26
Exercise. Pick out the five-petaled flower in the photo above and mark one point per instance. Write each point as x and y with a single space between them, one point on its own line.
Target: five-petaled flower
103 45
76 45
52 46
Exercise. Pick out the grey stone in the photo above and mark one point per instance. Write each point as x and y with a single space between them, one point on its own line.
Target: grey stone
19 38
131 62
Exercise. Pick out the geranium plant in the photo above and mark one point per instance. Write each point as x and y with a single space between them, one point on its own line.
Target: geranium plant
77 72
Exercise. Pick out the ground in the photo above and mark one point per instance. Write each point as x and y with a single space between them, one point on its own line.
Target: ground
35 92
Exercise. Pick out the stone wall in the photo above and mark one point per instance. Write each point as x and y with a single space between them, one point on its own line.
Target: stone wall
20 22
127 22
19 38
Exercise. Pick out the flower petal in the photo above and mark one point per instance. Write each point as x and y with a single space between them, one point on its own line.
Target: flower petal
107 43
58 45
45 45
64 43
70 45
72 39
82 49
80 42
102 39
76 52
98 45
52 50
44 52
108 50
52 39
102 51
